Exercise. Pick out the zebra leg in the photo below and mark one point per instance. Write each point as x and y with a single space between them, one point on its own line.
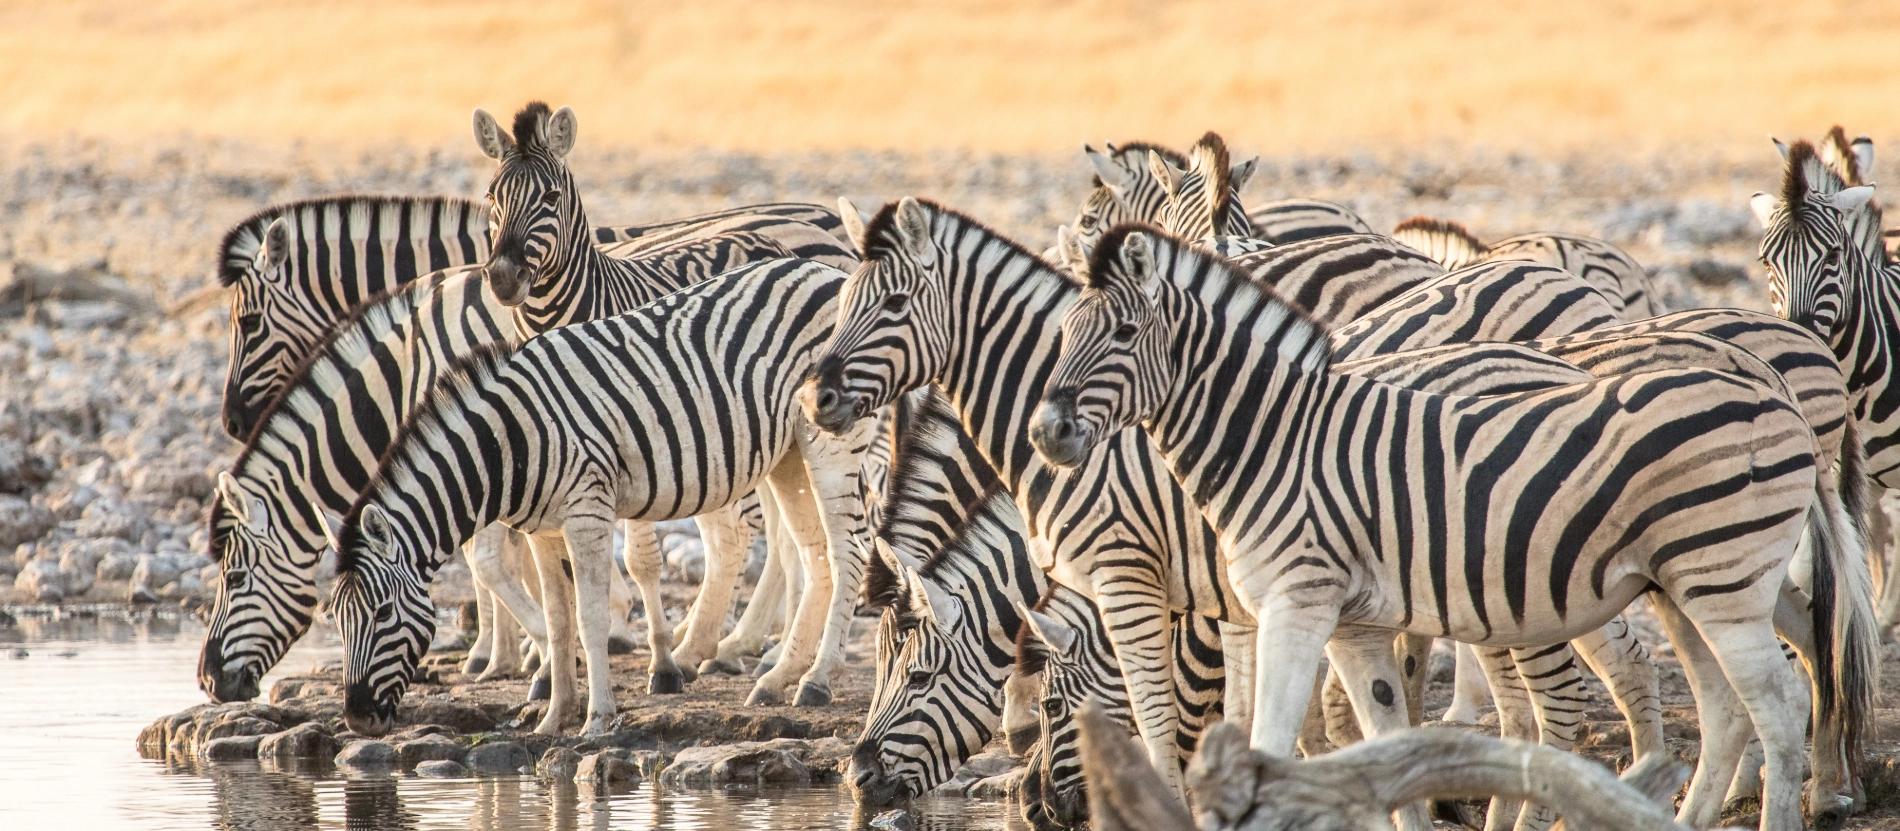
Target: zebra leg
550 558
1622 663
590 539
642 553
620 605
1558 693
482 651
509 571
1719 713
1751 658
794 568
834 465
1140 630
1300 622
1413 653
1375 683
791 487
1236 649
726 546
1313 741
1342 724
1469 691
748 636
1827 758
1517 719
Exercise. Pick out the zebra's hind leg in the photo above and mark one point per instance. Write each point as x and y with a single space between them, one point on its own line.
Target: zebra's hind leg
1469 690
726 544
1622 663
748 636
1720 714
481 652
1559 698
510 571
1517 719
1140 631
590 536
1751 658
557 583
1236 649
620 602
642 554
1375 682
791 488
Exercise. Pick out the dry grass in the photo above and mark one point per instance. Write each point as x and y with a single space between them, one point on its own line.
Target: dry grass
1010 75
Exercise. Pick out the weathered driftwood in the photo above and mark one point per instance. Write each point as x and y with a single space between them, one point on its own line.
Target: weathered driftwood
1358 788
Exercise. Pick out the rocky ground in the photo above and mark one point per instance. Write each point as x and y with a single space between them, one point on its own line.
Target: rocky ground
109 388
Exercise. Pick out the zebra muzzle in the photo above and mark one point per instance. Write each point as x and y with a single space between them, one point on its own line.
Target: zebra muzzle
1058 435
507 279
364 713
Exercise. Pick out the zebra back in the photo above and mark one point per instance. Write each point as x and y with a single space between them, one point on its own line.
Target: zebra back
1488 302
1293 220
1340 278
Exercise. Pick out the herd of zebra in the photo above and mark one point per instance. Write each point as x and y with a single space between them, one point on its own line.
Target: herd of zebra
1195 462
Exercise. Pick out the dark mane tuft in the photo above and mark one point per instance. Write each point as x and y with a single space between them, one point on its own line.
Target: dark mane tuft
1219 178
880 234
1032 655
1849 166
922 423
462 379
883 589
1109 247
1795 190
527 137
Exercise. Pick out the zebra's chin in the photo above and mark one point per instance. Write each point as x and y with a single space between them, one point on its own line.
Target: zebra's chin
872 784
1059 436
365 714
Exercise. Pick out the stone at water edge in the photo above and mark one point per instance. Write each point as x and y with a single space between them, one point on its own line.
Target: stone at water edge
433 748
779 760
42 581
606 767
231 748
367 753
499 759
559 763
441 769
305 741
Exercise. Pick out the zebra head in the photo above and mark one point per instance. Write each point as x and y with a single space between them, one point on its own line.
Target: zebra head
937 697
266 592
270 329
536 208
1063 644
1805 241
1125 189
893 317
1202 200
1114 355
382 609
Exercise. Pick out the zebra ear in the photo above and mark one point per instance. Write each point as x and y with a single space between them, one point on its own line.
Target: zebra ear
276 248
933 603
490 137
1138 259
562 128
381 538
247 508
1779 147
913 228
1764 207
332 529
890 556
1074 256
1107 169
1056 634
854 222
1864 157
1169 175
1238 175
1852 199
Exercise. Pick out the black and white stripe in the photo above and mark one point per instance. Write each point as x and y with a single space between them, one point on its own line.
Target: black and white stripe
1622 280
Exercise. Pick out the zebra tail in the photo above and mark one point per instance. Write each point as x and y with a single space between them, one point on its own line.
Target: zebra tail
1843 612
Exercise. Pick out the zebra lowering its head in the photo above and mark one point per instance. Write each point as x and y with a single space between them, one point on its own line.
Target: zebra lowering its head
541 262
1351 508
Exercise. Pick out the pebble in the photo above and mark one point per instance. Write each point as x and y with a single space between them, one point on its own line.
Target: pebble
441 769
367 754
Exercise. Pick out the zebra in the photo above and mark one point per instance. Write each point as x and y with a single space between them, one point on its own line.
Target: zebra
677 408
1064 648
1113 372
1298 219
318 444
1131 183
298 268
1619 277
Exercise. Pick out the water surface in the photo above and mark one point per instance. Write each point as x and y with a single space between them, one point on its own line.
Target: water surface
75 691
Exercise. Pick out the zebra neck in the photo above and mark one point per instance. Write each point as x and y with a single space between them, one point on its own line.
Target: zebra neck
1005 305
437 495
1864 339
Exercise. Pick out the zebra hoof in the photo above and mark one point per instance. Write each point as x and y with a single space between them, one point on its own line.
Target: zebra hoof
540 690
666 683
620 645
1829 811
717 666
474 666
763 668
688 672
812 695
764 697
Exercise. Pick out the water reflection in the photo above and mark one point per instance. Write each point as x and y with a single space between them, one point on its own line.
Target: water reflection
71 709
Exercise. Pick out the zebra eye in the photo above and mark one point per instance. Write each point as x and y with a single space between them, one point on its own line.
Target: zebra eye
385 612
1052 706
549 197
250 322
1124 333
897 303
235 579
919 680
1086 222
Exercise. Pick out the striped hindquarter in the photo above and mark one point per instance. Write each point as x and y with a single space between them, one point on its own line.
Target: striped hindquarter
672 410
1287 221
1378 505
298 269
1622 280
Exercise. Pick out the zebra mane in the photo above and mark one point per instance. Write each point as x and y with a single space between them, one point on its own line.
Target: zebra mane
912 464
239 246
880 234
1443 240
1211 151
1301 338
1805 175
1139 151
349 337
466 377
1845 164
527 126
964 554
1032 655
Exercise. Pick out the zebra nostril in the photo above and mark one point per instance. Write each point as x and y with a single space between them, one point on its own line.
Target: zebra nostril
827 399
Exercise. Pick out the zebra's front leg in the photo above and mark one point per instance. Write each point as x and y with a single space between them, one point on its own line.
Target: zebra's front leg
791 489
1517 719
1469 690
1558 694
835 466
557 662
1137 619
507 570
1375 682
642 554
1293 642
590 537
1237 653
481 652
725 545
1622 663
